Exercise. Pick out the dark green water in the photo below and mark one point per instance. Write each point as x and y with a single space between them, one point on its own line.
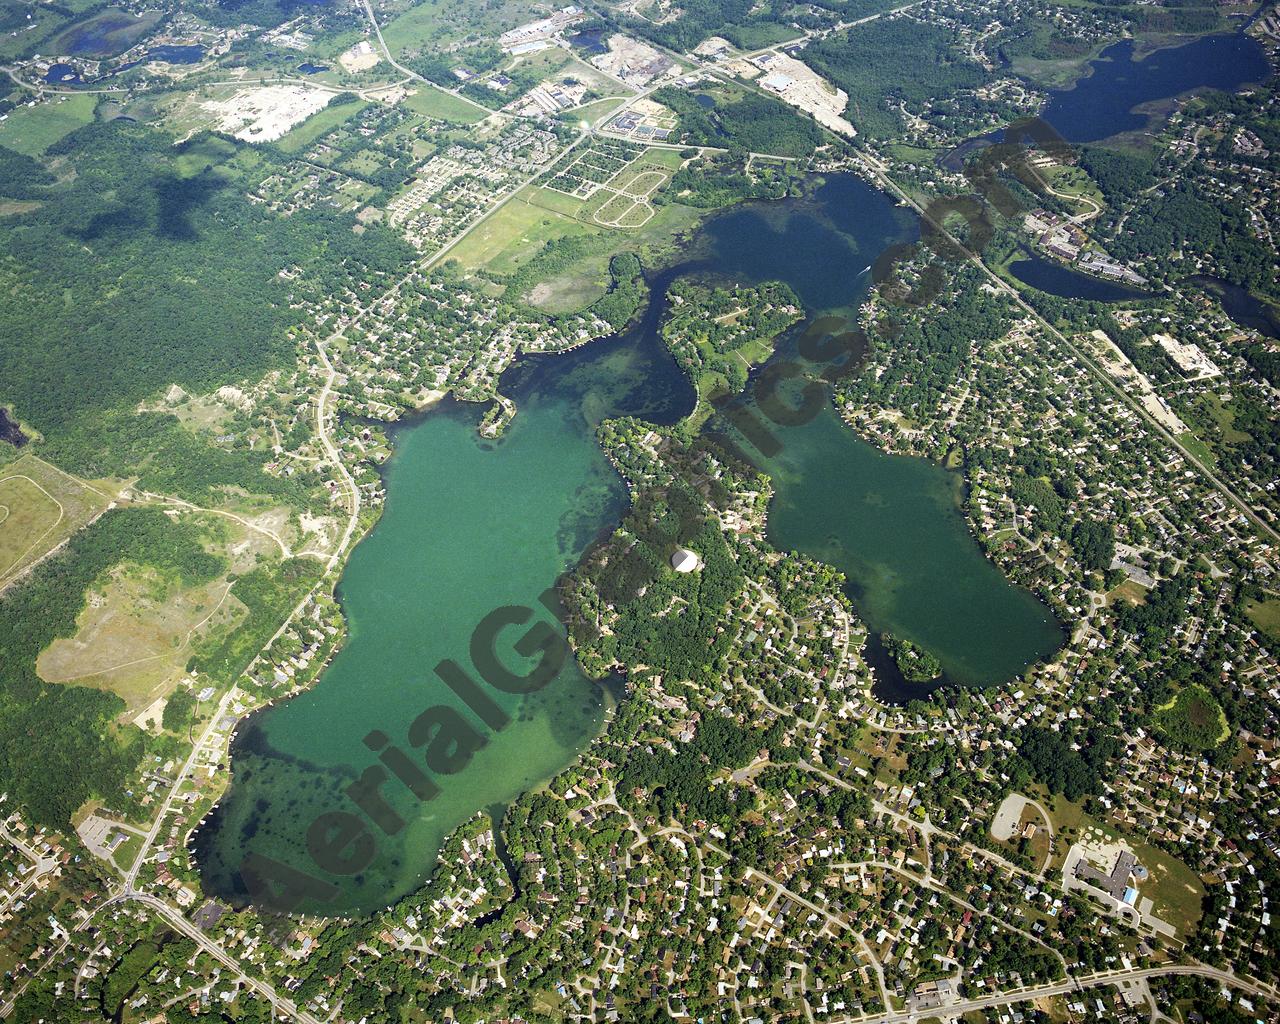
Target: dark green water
893 525
471 526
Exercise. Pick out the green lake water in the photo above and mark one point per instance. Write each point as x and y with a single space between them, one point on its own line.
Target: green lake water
470 526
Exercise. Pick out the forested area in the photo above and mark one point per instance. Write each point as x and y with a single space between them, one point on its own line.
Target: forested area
136 276
627 290
679 780
915 663
868 64
21 177
58 744
1186 215
438 67
757 124
666 620
1165 608
269 594
1121 174
1049 759
722 179
930 351
1193 723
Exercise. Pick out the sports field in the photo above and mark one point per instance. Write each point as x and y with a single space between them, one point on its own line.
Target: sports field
40 507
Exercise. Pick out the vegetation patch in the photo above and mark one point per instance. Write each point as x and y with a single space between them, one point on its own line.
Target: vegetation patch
134 635
1193 721
106 34
757 124
58 744
1263 610
443 106
867 63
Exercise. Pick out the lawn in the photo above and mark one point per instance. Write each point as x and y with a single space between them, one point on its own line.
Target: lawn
33 129
318 124
1198 448
1265 614
40 507
598 110
1173 888
444 106
517 232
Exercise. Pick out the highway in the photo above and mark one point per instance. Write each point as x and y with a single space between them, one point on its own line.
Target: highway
1079 983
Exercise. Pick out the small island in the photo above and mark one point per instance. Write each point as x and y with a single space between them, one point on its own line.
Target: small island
915 663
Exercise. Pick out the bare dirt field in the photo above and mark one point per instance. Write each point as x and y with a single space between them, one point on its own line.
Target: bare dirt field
135 634
265 113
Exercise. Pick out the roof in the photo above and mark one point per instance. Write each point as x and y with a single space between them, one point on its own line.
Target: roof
684 560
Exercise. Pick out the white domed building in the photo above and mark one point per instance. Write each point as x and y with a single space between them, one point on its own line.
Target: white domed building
685 560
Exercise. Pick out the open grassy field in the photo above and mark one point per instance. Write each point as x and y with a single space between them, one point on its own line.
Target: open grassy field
139 628
20 34
439 22
513 235
299 138
1198 448
32 130
1265 614
443 106
1174 889
40 507
598 110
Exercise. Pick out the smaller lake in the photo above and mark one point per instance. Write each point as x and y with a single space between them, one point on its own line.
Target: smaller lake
173 54
308 68
1055 279
591 40
1102 103
62 74
1244 309
10 431
894 525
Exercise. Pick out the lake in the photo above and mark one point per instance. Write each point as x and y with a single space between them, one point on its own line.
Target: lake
1243 308
894 525
62 74
470 526
1055 279
1101 104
